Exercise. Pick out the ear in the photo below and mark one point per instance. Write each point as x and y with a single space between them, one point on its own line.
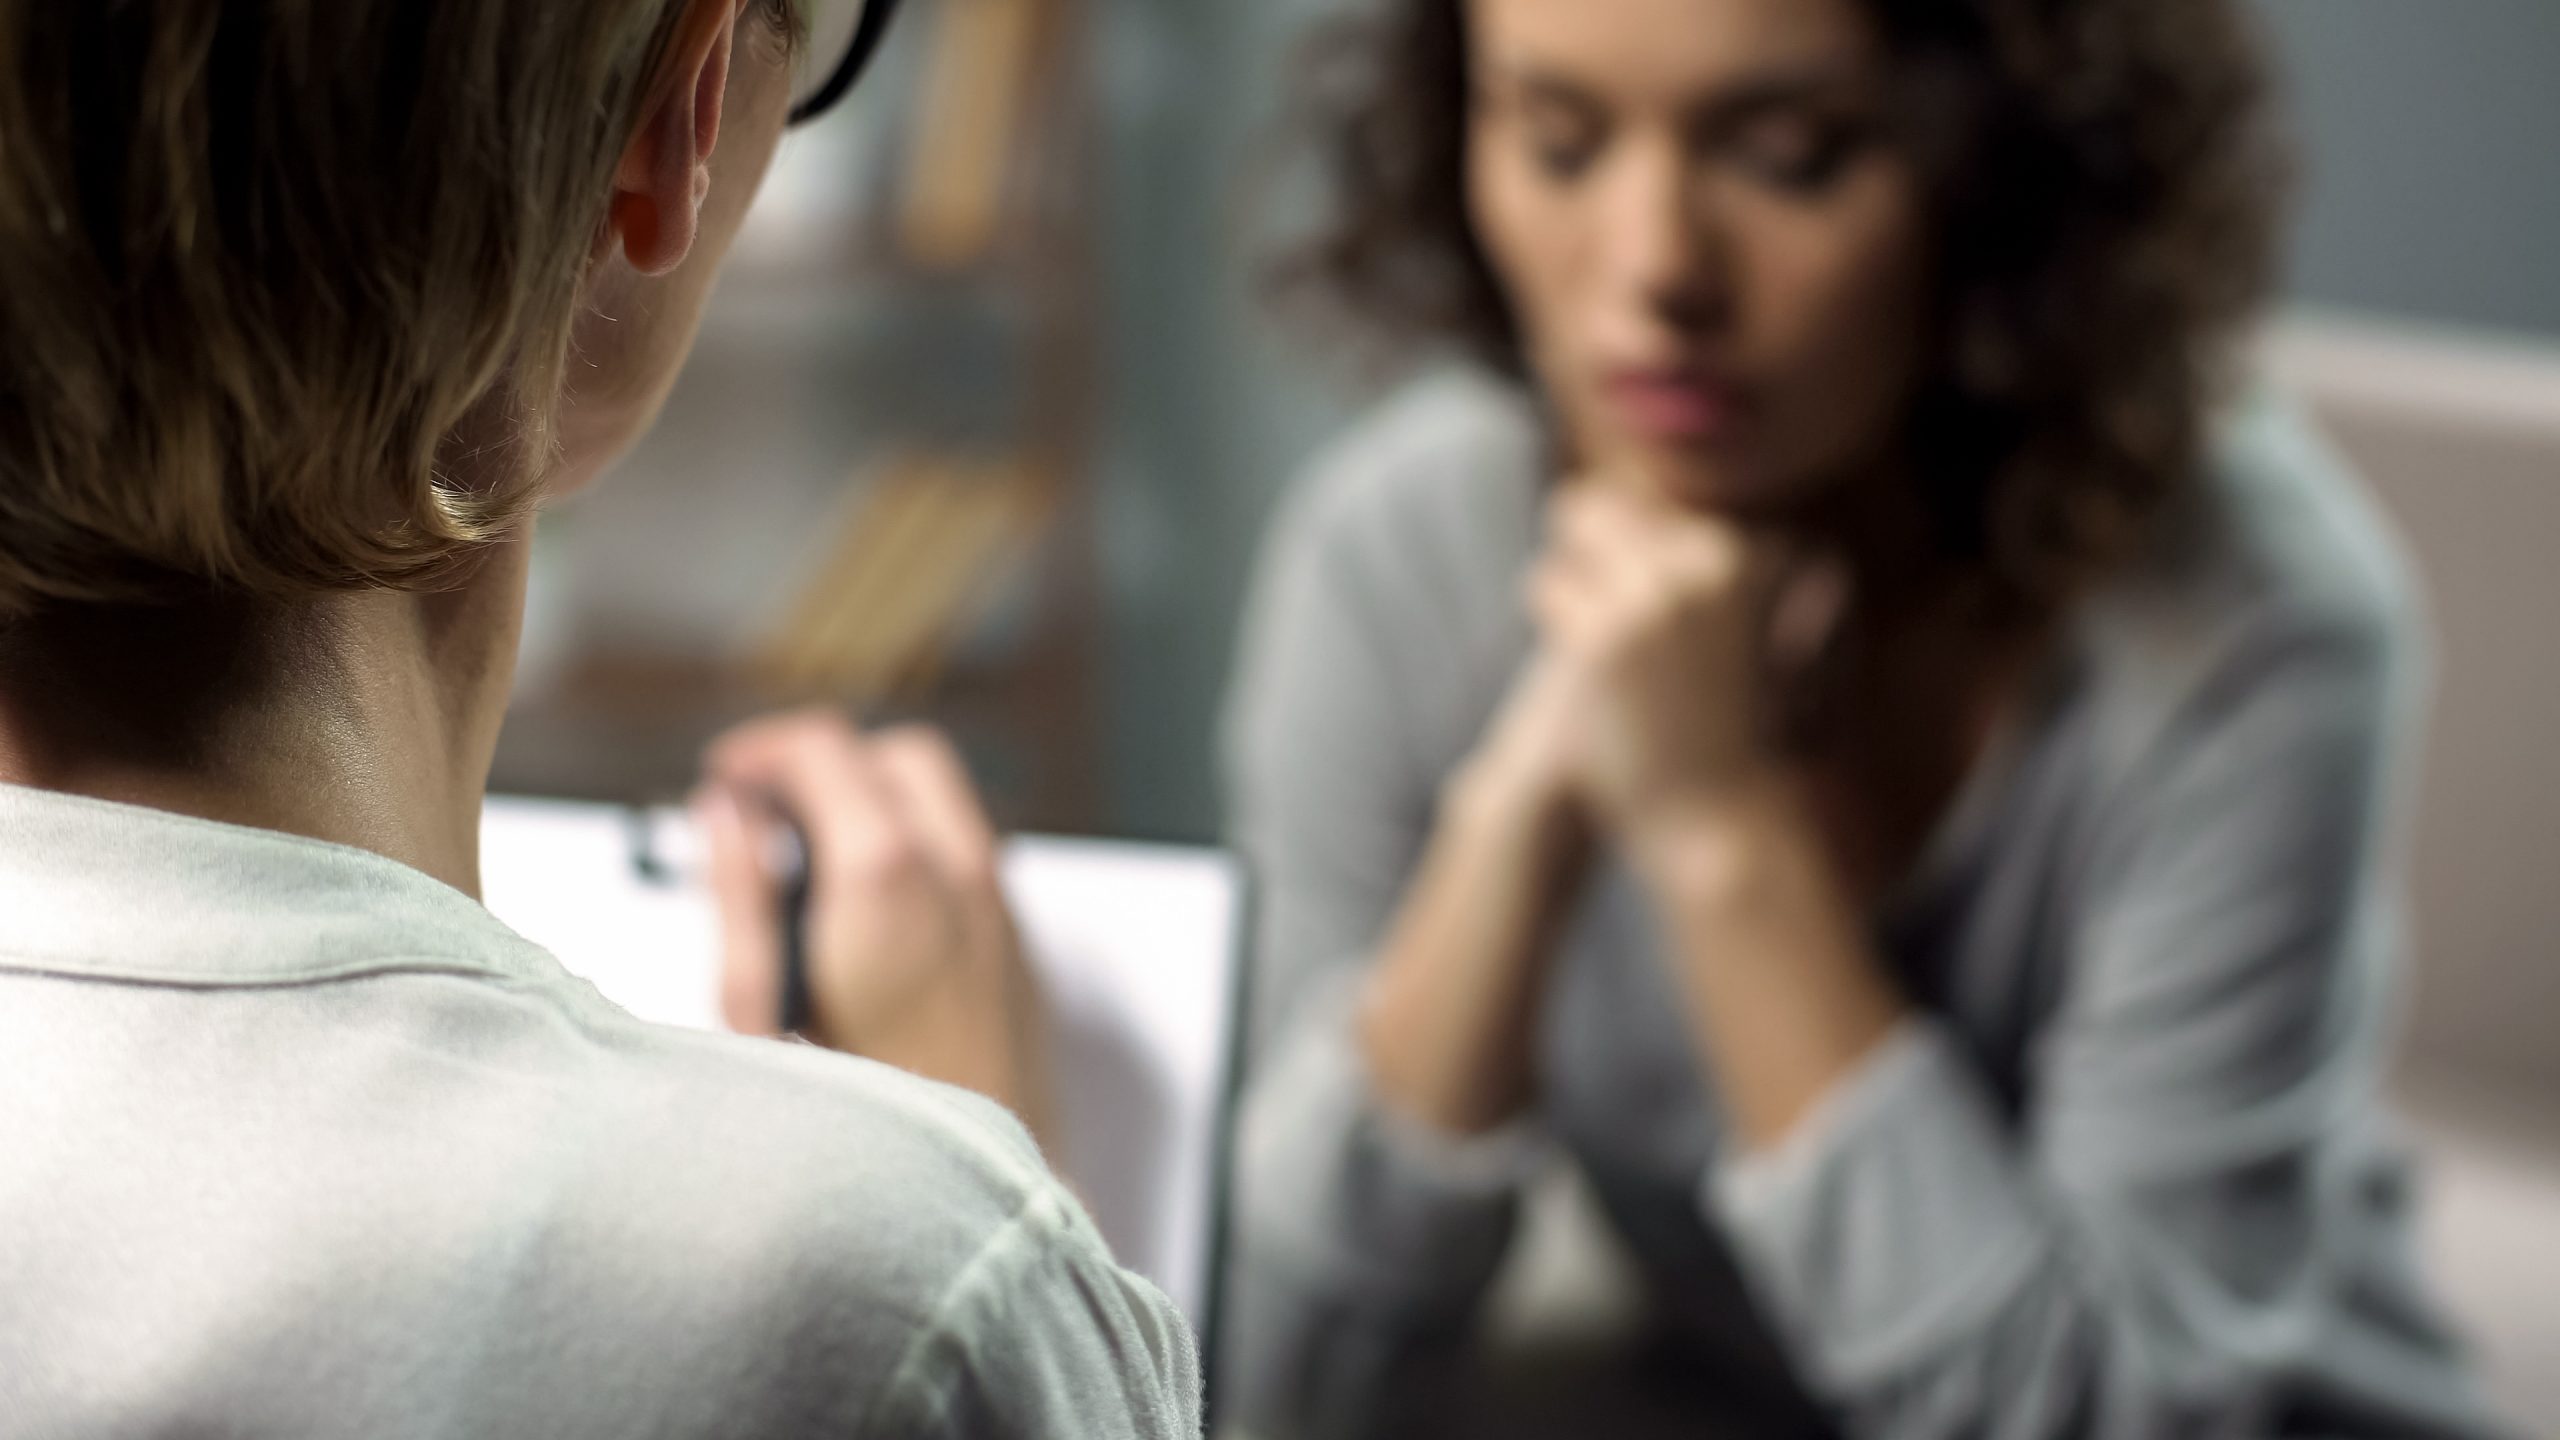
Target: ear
665 174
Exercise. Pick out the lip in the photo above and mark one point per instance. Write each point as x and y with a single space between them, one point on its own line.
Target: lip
1677 403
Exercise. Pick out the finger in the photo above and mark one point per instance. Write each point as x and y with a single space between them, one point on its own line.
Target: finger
1587 521
826 778
1596 546
1642 550
933 786
1599 497
1700 541
1810 604
748 899
1623 474
761 744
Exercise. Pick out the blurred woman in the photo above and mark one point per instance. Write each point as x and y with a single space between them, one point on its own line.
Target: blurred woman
1831 723
303 308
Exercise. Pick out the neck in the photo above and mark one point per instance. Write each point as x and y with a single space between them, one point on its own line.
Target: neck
366 719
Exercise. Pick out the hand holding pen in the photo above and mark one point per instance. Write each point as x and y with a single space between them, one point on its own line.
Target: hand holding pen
911 954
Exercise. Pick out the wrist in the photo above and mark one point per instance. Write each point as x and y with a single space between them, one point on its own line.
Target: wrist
1493 796
1745 844
971 1028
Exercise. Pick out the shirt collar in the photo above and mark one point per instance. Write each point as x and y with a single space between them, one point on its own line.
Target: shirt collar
95 889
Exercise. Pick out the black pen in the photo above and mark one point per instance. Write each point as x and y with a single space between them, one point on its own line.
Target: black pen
799 1006
668 861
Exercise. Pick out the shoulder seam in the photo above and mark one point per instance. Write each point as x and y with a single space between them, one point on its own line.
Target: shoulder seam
1040 1218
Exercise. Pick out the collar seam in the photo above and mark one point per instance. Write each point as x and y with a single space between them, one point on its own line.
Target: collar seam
67 967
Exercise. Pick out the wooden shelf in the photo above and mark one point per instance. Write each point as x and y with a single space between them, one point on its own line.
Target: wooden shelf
942 324
631 730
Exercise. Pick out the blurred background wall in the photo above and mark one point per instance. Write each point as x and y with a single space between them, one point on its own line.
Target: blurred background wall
2433 131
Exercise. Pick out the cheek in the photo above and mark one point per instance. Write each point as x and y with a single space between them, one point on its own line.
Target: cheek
623 358
751 133
1840 304
1532 239
634 333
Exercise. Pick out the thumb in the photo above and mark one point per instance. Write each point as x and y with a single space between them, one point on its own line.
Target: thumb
748 900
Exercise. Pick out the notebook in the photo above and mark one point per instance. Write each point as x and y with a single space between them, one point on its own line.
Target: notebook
1139 949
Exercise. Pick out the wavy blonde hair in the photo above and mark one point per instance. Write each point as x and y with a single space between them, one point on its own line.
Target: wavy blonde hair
260 261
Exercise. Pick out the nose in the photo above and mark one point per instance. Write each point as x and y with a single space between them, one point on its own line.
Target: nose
1667 254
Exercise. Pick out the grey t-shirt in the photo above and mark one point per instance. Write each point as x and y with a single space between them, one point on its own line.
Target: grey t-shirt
296 1142
2122 1175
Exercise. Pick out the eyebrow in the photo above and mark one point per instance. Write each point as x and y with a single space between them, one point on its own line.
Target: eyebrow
1773 88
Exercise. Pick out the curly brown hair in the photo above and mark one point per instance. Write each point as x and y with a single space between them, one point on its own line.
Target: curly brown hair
2103 180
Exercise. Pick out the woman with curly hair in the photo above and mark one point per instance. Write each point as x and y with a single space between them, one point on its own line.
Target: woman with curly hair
1836 723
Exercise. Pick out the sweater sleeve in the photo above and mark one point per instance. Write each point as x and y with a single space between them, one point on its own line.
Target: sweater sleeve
2162 1233
1041 1337
1358 1242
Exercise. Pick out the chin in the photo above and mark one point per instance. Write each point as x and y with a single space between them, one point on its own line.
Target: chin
1729 485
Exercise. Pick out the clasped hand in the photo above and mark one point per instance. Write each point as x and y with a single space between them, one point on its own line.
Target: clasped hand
1646 705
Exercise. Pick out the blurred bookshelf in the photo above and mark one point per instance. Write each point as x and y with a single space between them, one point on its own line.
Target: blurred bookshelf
873 487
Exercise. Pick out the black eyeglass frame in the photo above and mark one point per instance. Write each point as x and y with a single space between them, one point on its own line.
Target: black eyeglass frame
867 35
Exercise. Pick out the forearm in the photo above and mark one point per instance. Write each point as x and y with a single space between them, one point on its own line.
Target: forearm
1450 1012
1784 996
1938 1275
1354 1260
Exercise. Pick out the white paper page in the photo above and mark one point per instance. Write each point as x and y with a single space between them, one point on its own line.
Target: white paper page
1137 947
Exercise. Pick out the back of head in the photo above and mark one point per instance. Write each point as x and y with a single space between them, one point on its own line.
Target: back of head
263 261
